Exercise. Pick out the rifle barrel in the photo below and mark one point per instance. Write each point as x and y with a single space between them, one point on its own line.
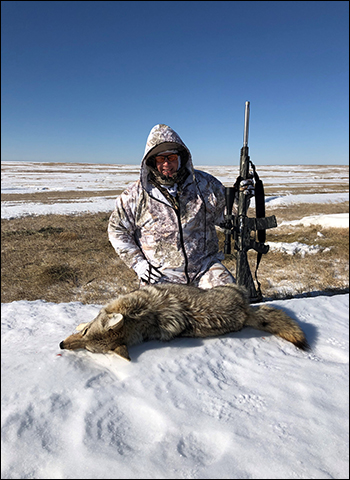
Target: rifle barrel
246 124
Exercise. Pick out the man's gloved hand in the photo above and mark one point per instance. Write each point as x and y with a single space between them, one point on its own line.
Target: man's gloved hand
247 187
147 273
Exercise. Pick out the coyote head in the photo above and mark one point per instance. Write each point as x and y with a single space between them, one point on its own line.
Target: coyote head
105 334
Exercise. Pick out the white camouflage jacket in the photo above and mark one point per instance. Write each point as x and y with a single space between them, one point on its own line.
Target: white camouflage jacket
176 237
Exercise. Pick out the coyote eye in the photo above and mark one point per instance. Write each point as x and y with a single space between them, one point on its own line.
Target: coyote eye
84 332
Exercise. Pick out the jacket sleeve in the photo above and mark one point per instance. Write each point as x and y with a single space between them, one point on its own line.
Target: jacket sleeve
122 228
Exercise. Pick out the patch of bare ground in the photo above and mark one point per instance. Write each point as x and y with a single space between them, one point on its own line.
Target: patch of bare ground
65 258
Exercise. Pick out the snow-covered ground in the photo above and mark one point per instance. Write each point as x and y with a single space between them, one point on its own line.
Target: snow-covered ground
31 177
244 405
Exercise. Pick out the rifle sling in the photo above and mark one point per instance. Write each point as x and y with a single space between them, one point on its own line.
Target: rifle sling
258 258
260 213
259 202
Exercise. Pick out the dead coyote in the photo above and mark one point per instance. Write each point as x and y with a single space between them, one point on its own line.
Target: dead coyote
162 312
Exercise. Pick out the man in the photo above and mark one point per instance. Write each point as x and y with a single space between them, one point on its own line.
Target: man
163 225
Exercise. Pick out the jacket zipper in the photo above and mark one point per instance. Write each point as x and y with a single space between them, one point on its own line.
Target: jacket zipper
176 207
177 210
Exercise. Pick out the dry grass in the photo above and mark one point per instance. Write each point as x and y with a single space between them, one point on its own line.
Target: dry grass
64 258
61 258
295 212
53 197
282 275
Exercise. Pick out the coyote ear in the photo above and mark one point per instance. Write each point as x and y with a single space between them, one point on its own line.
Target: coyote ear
80 327
122 351
115 320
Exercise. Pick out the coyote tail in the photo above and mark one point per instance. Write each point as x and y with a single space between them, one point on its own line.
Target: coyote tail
278 323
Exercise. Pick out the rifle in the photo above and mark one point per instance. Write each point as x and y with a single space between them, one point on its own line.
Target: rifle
240 227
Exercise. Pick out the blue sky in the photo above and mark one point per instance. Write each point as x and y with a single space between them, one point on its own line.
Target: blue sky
86 81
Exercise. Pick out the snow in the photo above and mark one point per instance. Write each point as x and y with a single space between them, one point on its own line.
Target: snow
295 247
33 177
306 198
336 220
243 405
15 209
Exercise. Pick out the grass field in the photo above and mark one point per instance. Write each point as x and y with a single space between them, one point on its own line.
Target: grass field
64 258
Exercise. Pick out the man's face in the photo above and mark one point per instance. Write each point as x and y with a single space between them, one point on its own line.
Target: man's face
167 163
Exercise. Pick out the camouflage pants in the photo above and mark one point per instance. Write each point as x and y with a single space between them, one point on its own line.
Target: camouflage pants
216 275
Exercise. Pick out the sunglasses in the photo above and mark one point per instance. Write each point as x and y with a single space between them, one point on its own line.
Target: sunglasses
170 158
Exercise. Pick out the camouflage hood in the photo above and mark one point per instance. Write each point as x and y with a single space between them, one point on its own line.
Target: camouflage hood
162 138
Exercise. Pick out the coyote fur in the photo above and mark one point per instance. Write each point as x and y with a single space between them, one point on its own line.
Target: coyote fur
162 312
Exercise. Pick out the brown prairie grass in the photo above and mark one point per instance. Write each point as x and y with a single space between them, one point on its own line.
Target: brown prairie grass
64 258
52 197
283 275
296 212
61 258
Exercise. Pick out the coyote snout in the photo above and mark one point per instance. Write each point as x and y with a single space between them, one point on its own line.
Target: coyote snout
104 334
162 312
